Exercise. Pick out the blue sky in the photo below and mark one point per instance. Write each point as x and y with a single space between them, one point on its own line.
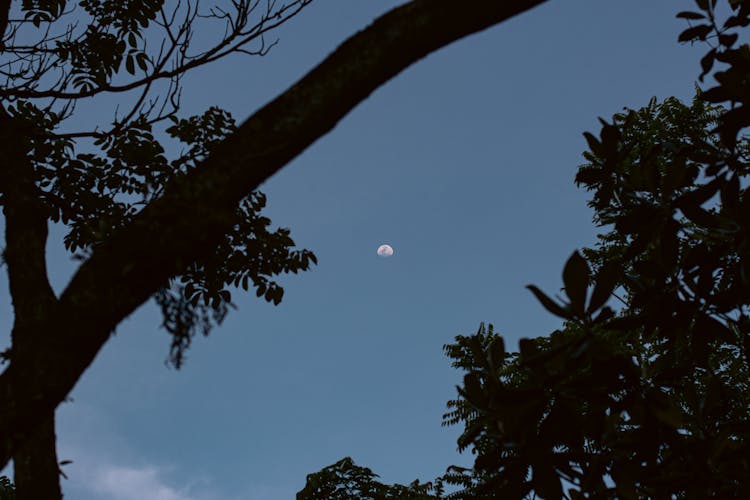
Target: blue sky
464 164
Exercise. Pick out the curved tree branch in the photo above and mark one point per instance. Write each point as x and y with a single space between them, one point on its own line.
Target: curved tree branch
197 209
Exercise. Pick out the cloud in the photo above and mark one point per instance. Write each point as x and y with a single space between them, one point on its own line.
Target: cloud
105 465
132 483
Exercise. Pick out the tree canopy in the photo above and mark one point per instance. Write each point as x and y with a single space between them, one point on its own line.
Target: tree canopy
651 400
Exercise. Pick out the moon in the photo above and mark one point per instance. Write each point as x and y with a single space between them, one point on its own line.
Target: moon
385 250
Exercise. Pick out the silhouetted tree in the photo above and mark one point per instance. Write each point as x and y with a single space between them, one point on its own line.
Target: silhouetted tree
179 230
652 401
346 480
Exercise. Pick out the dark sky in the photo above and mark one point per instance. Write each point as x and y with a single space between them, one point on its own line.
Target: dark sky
464 164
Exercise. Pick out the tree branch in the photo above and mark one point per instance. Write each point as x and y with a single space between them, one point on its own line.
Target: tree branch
4 13
240 36
197 209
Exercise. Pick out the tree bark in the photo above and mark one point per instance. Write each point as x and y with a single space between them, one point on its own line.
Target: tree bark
36 472
197 209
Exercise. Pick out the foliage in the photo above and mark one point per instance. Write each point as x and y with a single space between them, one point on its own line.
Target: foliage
733 84
7 490
96 181
345 480
249 255
652 401
69 50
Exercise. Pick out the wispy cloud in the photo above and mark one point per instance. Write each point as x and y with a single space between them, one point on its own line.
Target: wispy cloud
104 464
131 483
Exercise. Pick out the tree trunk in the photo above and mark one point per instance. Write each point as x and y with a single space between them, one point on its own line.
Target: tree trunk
35 461
35 468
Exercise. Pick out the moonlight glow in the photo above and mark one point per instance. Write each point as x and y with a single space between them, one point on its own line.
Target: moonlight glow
385 250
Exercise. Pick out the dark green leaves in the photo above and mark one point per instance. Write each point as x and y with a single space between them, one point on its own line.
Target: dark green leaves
39 11
251 253
7 489
89 60
622 403
699 32
691 16
549 304
129 16
345 480
201 133
250 256
576 280
732 80
94 58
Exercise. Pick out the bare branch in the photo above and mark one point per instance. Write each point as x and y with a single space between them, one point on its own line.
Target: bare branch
240 36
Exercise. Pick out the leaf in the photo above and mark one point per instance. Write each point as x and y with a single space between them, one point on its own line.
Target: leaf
610 138
472 390
549 304
141 59
733 21
130 65
594 145
707 62
576 279
699 32
528 348
728 40
496 352
690 15
480 358
716 94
